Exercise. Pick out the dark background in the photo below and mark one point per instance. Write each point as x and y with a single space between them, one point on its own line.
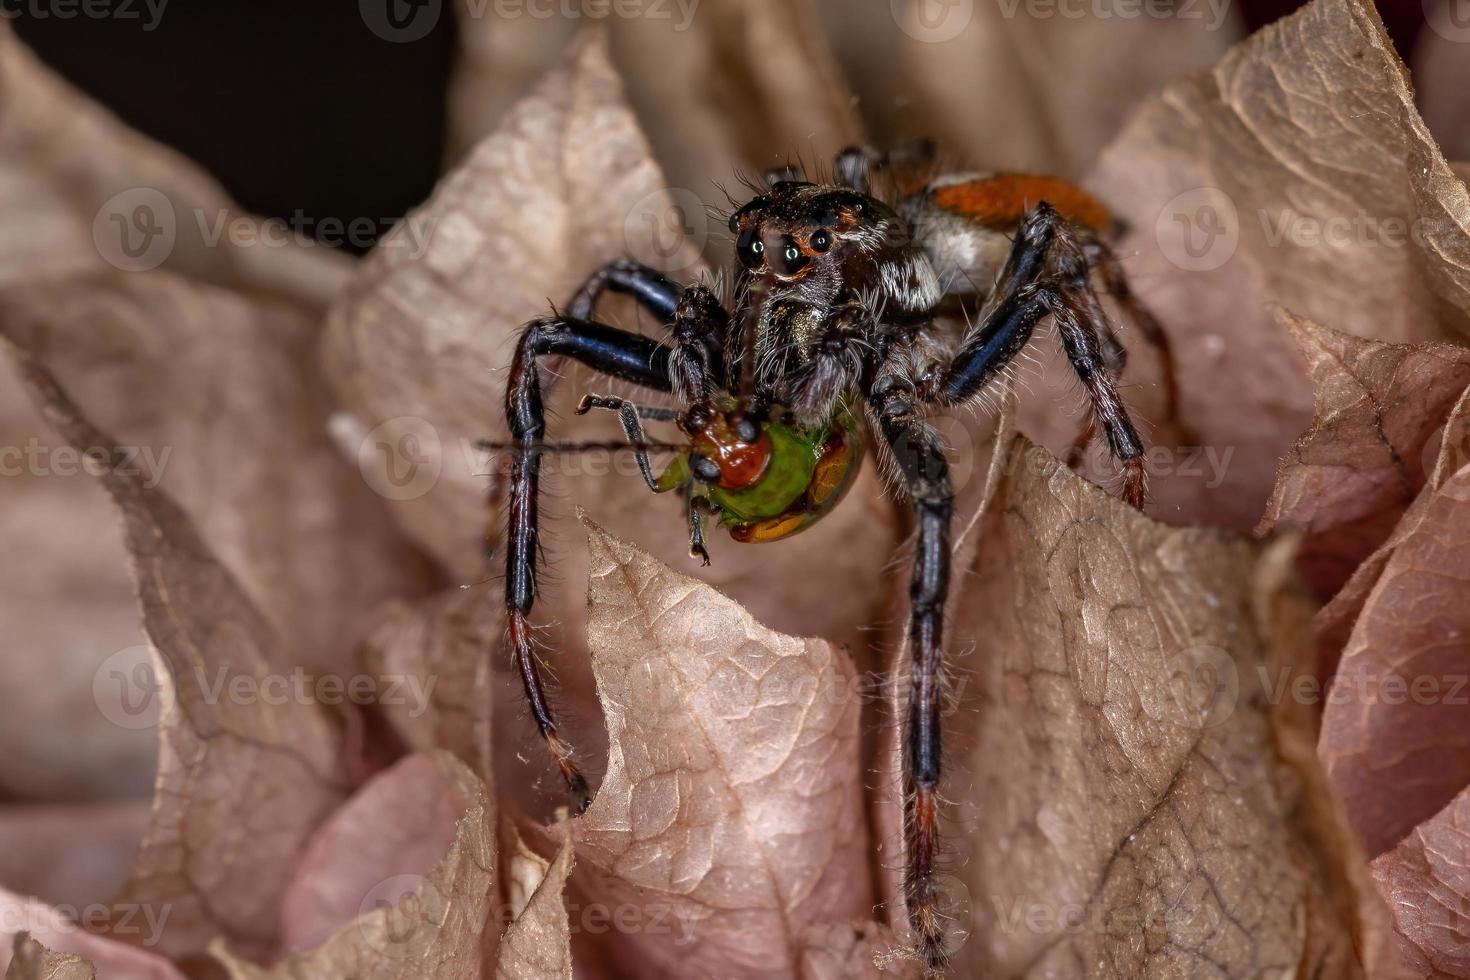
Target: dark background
298 105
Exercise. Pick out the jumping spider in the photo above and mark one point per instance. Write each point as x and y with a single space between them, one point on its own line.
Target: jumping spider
833 336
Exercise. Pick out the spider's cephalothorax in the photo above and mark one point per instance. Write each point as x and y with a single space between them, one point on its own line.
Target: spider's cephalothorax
835 336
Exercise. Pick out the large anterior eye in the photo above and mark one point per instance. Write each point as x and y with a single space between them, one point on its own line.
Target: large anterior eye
788 260
750 249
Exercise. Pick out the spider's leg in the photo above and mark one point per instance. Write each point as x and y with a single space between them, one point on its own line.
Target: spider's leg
652 290
623 355
921 459
613 403
1047 273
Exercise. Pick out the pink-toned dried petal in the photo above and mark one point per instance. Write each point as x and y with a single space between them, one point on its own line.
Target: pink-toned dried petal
379 845
61 933
217 395
63 524
246 770
432 924
1426 879
536 945
73 180
1113 757
1350 477
1059 87
438 651
1296 171
731 818
1394 731
71 855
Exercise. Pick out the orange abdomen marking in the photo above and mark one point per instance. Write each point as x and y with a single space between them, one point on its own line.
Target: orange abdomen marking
1002 200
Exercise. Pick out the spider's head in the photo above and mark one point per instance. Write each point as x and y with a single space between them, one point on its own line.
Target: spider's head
797 232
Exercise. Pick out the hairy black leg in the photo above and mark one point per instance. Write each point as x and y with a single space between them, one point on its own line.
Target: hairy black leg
1047 273
653 291
620 354
921 459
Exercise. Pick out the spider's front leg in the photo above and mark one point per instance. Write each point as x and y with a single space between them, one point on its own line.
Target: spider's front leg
1047 273
921 459
685 368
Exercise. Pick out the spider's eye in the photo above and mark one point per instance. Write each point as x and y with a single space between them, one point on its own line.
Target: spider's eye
790 260
821 240
750 249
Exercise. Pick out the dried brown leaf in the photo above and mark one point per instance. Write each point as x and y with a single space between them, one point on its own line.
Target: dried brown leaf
1296 171
1122 810
536 945
435 924
1426 883
730 821
72 177
1351 476
32 961
1441 77
1394 731
1059 86
438 649
218 396
235 765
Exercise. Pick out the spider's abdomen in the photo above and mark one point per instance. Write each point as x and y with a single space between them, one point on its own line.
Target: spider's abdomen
965 222
771 486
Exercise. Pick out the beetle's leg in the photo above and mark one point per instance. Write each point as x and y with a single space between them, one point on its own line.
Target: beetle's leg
1047 273
613 403
623 355
696 531
629 415
921 460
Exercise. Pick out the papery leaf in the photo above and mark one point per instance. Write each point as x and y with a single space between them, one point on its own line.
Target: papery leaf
1112 756
1350 477
69 532
217 398
1296 171
238 762
1394 731
74 181
730 821
414 922
536 944
1440 76
1053 70
32 961
1426 883
438 650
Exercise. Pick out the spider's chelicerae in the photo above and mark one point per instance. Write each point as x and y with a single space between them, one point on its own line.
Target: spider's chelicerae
833 336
